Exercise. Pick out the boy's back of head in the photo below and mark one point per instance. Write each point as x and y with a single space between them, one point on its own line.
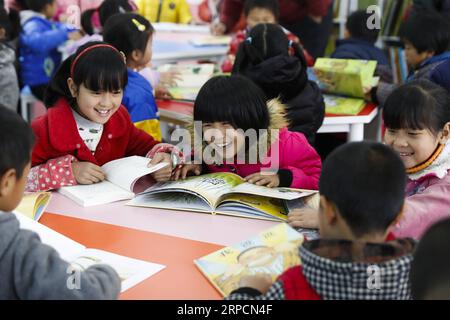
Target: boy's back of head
357 26
366 182
426 31
430 271
270 5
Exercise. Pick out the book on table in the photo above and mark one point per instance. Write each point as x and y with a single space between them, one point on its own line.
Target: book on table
211 41
124 178
221 193
270 252
33 204
131 271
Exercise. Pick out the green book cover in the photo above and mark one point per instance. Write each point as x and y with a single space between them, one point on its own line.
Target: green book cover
343 105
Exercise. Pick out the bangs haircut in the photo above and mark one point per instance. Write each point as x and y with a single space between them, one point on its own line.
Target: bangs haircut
232 99
366 182
122 31
417 105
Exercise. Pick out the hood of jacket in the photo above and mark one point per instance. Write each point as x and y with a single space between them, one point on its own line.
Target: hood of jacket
9 226
352 270
26 15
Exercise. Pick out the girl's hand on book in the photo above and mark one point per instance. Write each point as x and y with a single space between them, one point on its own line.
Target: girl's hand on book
165 173
304 218
261 282
87 172
185 169
267 180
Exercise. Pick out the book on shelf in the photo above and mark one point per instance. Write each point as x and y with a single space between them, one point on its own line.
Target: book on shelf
124 178
271 252
131 271
33 204
221 193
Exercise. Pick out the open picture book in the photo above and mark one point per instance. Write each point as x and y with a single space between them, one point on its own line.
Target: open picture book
131 271
221 193
124 178
272 252
33 204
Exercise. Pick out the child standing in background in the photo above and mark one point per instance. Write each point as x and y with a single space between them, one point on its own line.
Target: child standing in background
176 11
29 269
277 65
39 40
86 126
229 108
132 34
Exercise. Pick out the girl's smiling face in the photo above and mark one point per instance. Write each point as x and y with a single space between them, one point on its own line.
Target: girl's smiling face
414 146
224 138
97 106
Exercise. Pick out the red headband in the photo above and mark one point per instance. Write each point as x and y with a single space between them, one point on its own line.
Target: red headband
72 67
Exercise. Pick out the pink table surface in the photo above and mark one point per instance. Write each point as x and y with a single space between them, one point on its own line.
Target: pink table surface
218 229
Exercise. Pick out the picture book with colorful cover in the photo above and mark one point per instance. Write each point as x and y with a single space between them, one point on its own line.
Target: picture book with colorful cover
221 193
124 178
271 252
343 105
33 204
190 78
131 271
346 77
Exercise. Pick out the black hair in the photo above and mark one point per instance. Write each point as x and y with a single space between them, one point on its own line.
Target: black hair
430 269
268 43
271 5
417 105
107 9
366 182
357 26
426 31
233 99
10 22
5 22
100 69
16 142
128 32
38 5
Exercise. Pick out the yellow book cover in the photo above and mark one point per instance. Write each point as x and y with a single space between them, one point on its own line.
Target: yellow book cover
272 252
345 76
343 105
34 204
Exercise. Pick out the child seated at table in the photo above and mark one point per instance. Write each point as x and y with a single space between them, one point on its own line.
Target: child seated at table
86 125
30 269
245 134
361 196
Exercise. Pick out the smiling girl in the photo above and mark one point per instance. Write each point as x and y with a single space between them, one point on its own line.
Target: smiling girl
86 126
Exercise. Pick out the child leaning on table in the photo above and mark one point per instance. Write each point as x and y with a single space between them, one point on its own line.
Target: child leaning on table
86 126
30 269
361 196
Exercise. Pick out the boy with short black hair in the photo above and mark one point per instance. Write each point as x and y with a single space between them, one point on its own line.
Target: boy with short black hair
361 195
30 269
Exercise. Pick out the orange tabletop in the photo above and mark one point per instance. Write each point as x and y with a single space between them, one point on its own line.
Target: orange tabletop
179 280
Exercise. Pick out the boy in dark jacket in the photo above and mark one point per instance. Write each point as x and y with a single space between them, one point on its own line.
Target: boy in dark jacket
39 42
361 195
441 75
30 269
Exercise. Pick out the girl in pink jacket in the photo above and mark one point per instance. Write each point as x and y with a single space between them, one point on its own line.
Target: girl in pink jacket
242 133
417 120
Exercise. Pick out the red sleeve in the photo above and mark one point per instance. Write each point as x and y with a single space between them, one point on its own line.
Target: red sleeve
318 8
231 12
139 142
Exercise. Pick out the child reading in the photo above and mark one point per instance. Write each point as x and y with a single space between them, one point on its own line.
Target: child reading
30 269
86 125
352 260
229 112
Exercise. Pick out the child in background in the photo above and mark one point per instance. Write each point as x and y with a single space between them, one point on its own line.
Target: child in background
29 269
430 270
9 85
39 41
176 11
426 37
417 120
277 65
359 43
354 220
229 108
132 34
256 12
86 126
